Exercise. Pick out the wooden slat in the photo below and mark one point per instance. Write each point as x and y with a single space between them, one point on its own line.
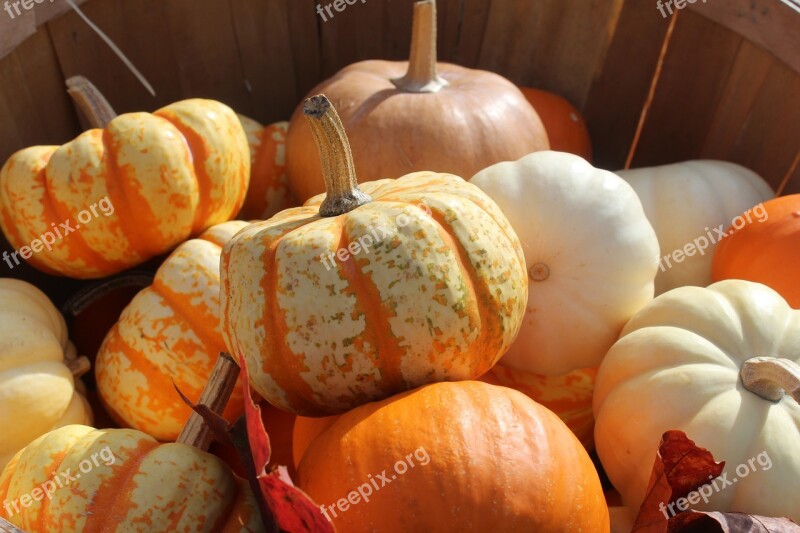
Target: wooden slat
698 62
34 107
555 45
142 31
464 31
304 33
772 24
262 33
15 28
770 139
621 85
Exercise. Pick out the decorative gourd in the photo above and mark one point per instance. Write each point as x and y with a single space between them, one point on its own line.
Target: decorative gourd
404 117
39 389
484 458
591 257
268 193
710 362
124 480
367 292
166 176
689 205
569 396
767 251
565 126
169 333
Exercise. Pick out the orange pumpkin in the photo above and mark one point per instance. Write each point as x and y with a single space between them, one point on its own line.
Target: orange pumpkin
269 192
765 249
462 456
306 430
404 117
565 126
353 298
569 395
168 336
115 197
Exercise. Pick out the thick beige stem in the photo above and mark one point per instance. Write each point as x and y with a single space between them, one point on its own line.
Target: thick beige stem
421 76
771 378
338 169
90 101
215 396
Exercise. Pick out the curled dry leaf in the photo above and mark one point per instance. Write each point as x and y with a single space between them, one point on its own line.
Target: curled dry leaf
680 468
284 505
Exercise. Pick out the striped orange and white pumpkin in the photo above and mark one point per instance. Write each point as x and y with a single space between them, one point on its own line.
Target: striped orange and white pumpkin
169 332
122 480
268 193
167 176
425 282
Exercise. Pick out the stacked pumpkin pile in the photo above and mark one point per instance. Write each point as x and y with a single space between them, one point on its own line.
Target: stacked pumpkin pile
433 332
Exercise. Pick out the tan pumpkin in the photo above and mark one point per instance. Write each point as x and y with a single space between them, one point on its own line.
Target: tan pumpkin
39 389
370 291
169 333
115 197
268 193
404 117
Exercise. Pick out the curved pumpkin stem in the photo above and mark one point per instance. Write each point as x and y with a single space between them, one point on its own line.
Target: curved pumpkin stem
338 168
90 101
421 76
771 378
214 398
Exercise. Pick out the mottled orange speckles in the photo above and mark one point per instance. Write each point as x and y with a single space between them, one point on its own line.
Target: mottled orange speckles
146 168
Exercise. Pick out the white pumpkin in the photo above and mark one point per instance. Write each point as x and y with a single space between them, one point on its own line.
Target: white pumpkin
690 206
591 257
686 362
38 390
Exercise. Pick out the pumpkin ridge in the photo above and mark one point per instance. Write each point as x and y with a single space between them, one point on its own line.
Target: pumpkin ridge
389 353
109 495
119 197
282 358
199 151
477 290
50 207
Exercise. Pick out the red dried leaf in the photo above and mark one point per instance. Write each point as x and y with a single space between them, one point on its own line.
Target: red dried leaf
290 508
713 522
680 467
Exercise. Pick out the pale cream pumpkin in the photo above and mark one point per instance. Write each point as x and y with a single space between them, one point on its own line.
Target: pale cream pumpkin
590 253
38 364
690 205
710 362
350 299
169 333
